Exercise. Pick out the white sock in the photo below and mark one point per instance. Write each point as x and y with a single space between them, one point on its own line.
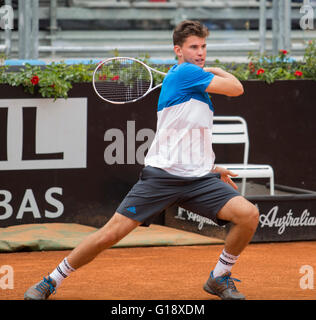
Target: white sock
61 272
224 264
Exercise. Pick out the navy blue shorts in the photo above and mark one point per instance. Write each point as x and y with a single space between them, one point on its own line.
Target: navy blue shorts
156 190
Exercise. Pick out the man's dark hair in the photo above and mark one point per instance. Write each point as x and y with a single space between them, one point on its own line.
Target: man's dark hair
188 28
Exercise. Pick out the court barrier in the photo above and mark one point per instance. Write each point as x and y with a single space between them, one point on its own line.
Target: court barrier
74 160
282 218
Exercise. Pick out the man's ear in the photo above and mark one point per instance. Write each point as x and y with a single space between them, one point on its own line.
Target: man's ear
177 50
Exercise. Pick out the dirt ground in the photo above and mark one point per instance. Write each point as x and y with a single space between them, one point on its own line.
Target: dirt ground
267 271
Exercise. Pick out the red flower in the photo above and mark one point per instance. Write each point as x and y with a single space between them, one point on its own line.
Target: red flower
35 80
100 65
115 78
283 52
102 77
298 73
251 67
260 71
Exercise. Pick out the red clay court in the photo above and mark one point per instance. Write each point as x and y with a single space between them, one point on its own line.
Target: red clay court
269 271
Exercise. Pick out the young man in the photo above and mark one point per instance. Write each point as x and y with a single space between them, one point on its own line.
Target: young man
179 169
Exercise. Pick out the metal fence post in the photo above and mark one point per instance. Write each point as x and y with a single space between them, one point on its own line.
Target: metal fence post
275 26
28 29
281 36
22 29
281 25
53 23
53 16
287 24
34 29
8 34
263 26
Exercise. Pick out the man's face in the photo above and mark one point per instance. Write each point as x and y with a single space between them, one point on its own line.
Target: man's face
193 51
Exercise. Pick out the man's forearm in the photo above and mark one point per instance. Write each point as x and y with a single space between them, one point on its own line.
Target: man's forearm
224 83
227 76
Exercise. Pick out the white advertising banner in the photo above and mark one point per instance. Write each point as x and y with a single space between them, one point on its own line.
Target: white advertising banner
43 134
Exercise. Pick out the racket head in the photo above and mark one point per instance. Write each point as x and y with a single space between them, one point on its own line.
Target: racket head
122 80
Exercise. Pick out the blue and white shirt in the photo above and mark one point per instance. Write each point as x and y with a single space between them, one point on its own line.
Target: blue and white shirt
183 142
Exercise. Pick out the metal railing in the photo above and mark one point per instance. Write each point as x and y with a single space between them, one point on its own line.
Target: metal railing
29 13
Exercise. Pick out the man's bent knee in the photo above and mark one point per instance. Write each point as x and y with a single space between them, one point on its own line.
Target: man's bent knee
239 210
107 240
247 216
251 216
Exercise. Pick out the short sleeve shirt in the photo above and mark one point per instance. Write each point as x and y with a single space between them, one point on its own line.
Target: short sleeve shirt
183 141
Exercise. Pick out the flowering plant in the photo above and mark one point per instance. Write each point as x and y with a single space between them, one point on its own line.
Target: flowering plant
55 80
280 67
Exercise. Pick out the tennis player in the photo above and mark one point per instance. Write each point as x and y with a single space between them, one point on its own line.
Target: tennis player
179 169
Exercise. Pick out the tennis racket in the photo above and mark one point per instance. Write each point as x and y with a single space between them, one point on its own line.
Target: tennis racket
122 80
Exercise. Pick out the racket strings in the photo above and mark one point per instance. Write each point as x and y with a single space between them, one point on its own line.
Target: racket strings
122 80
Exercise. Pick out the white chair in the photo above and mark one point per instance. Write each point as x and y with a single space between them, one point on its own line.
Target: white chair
232 130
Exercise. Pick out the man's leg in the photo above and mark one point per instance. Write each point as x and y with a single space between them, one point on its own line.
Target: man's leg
112 232
244 217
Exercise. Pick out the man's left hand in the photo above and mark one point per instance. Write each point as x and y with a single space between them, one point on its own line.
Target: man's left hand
225 176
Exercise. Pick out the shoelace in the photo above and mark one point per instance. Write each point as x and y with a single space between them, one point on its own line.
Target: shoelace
45 286
230 282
